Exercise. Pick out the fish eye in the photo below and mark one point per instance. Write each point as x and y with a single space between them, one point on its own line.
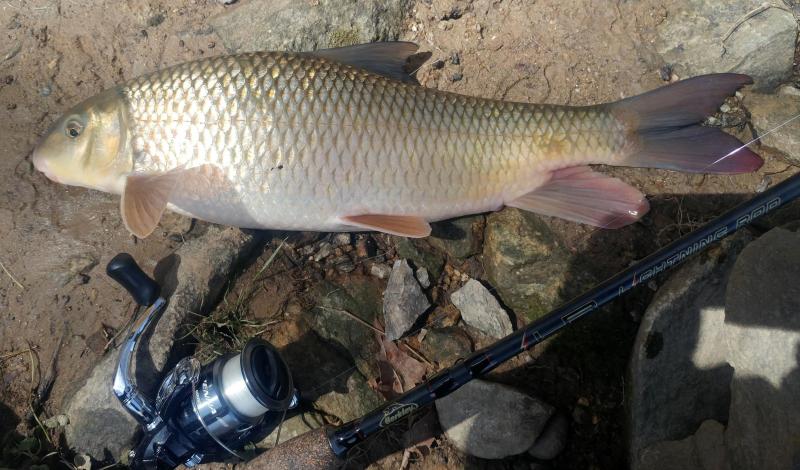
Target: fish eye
73 128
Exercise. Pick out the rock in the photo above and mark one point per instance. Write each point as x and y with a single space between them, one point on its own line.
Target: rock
381 271
762 333
360 296
705 450
287 25
423 277
490 420
421 254
481 310
525 263
324 250
678 374
403 301
459 238
356 400
768 112
445 346
789 90
709 442
552 440
341 239
293 427
98 423
693 39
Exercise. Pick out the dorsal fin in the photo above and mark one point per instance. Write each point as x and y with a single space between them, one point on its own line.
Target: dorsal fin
383 58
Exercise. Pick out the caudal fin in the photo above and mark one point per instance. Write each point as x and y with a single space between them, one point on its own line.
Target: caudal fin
664 128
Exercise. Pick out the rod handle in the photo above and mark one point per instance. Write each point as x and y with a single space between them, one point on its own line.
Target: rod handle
311 451
123 269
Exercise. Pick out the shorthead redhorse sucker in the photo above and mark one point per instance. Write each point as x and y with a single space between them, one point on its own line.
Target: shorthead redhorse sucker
339 140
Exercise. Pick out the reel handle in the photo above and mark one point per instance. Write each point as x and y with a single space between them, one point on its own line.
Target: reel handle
123 269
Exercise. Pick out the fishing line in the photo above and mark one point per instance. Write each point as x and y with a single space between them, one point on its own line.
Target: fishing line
752 141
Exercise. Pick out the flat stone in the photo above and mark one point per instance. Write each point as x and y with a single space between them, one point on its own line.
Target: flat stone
525 263
289 25
762 334
403 301
693 39
491 421
481 310
767 112
459 238
552 440
679 376
360 296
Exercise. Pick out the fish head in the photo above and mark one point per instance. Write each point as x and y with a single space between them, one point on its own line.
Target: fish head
88 146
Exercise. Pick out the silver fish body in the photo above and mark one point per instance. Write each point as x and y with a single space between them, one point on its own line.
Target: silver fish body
301 141
332 141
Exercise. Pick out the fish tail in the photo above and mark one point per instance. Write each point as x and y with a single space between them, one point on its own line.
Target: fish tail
664 128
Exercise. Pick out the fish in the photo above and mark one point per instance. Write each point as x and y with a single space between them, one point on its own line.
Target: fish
344 140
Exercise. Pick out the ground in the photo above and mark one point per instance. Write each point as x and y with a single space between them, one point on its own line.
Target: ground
58 311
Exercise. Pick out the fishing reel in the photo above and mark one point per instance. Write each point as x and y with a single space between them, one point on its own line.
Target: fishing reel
201 413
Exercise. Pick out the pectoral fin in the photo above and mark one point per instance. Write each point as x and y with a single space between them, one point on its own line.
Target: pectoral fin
582 195
144 199
403 225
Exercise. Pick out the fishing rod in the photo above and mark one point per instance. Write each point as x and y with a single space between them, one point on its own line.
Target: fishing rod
203 413
324 447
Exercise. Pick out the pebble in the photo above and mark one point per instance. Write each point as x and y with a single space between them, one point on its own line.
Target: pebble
455 58
403 301
552 440
424 278
381 271
325 249
492 421
481 310
457 77
341 239
344 264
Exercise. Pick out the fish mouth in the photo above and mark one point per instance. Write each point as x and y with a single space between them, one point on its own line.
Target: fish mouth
40 163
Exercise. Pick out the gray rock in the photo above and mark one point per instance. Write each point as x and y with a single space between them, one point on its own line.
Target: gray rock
552 440
293 427
380 270
762 333
421 253
481 310
709 443
692 38
679 377
705 450
445 346
403 301
459 238
356 400
324 250
288 25
768 112
490 420
423 277
360 296
98 423
525 263
789 90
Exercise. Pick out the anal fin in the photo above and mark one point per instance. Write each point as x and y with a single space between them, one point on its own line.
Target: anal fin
582 195
403 225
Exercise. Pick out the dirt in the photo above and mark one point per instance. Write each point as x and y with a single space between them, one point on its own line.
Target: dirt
56 301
